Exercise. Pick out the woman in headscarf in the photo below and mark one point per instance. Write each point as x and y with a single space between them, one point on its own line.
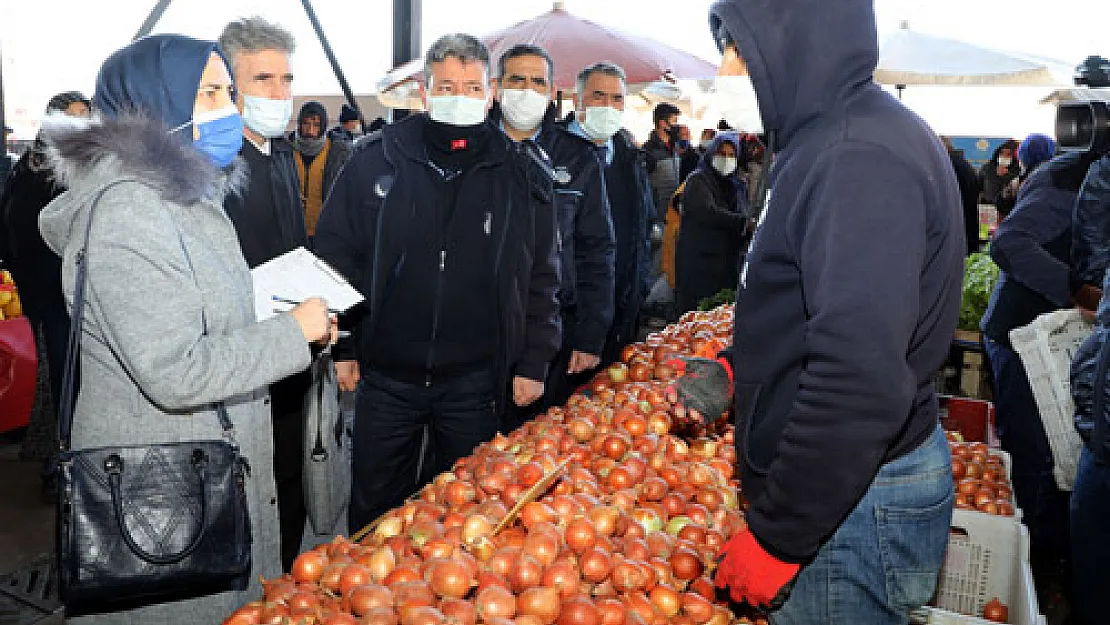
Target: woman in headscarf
1034 150
169 321
996 176
714 219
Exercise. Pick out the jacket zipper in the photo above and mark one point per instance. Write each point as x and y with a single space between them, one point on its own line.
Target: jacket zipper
435 318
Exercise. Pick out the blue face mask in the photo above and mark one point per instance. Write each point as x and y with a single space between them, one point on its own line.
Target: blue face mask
221 134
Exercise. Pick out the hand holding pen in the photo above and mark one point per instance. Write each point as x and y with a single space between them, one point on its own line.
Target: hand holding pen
317 322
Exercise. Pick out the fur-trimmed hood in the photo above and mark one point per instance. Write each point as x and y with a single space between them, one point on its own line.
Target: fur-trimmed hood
86 155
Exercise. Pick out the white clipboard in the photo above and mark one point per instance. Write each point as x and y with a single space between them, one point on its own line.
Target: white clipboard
297 276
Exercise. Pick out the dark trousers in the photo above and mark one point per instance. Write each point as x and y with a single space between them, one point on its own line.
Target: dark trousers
626 326
406 434
287 404
1044 506
1090 532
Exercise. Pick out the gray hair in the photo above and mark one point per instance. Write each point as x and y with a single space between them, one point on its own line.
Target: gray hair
463 47
527 49
254 34
601 67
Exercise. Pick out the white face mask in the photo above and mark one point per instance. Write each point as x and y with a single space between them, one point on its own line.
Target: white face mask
265 116
523 108
602 122
1005 161
457 110
738 104
705 143
725 165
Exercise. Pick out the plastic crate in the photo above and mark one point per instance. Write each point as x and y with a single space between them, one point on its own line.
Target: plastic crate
972 418
988 557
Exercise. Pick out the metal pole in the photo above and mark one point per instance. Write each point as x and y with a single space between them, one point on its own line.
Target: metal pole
406 37
350 95
152 19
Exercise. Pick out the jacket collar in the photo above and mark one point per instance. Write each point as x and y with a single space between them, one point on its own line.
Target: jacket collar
406 137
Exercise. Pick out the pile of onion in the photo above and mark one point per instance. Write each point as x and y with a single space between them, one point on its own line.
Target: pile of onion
628 535
980 478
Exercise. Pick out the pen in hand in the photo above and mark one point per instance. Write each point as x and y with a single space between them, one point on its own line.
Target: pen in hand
293 302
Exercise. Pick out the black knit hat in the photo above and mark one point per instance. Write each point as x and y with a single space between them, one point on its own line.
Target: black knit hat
347 114
313 108
61 102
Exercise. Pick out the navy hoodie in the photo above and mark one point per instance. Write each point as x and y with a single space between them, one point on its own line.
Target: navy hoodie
850 298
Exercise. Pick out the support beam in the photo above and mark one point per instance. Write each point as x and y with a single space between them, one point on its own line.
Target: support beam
152 19
407 24
350 95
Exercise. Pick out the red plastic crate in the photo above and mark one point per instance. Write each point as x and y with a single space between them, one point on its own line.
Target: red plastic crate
972 418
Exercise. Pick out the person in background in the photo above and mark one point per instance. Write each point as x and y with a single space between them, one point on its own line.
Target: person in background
319 159
448 230
7 160
1034 150
600 110
525 111
997 175
664 163
348 128
169 325
1033 248
36 269
37 272
1090 499
969 193
715 214
845 467
688 155
269 222
707 136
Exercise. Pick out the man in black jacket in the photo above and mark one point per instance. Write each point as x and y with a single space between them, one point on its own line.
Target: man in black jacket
969 194
447 229
269 221
845 310
601 100
585 234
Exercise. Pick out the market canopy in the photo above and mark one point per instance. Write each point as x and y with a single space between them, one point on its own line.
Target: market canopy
573 43
912 58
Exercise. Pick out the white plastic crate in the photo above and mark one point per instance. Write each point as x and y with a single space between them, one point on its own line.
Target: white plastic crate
1046 348
988 557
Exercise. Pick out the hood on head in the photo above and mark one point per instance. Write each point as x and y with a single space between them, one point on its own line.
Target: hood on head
714 145
1036 149
155 78
804 56
86 154
1012 144
310 109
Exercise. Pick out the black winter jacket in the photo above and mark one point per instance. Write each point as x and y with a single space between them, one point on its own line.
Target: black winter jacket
386 191
36 269
268 231
1092 254
631 222
586 241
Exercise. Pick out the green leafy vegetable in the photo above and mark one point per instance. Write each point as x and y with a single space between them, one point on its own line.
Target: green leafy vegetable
980 274
724 296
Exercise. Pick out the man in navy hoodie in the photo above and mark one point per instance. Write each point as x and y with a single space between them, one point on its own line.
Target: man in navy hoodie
846 308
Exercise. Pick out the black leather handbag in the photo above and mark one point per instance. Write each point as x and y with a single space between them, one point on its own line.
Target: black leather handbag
146 523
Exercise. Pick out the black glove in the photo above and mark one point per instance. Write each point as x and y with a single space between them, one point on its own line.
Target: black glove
704 385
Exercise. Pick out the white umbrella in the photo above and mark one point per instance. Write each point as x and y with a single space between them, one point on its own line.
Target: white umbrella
913 58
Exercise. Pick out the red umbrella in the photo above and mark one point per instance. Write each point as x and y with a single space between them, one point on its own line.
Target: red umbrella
575 43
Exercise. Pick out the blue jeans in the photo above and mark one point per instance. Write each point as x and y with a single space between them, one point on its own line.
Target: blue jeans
1090 539
884 559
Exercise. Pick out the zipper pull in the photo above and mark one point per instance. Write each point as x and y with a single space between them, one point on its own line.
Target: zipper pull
442 259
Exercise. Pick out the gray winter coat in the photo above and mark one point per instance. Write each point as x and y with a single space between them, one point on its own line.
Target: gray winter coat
148 372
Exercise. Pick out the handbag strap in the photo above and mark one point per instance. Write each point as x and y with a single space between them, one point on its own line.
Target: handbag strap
73 347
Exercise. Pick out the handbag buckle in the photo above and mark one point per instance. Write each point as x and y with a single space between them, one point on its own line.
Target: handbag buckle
113 465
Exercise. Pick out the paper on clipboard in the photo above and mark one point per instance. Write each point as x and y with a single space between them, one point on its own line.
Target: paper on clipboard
299 275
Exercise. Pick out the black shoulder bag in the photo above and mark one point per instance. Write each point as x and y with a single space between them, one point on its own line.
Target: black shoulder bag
144 524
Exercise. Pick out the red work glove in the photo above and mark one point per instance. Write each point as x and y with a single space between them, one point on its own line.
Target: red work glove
751 574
